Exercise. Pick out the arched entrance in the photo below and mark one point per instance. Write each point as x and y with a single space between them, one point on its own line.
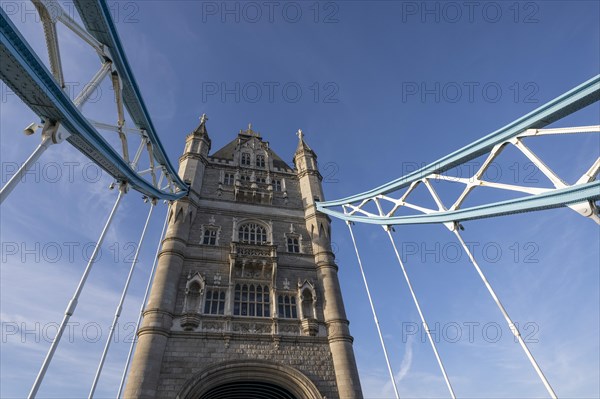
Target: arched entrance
248 390
249 379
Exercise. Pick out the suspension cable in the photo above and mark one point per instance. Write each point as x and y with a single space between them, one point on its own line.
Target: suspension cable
73 302
513 328
387 359
139 320
120 305
17 177
414 296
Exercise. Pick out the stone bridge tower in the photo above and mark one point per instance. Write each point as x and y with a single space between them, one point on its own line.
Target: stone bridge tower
246 301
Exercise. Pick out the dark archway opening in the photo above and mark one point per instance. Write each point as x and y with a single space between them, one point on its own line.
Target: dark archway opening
248 390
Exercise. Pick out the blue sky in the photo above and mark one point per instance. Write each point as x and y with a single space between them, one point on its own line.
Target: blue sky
378 88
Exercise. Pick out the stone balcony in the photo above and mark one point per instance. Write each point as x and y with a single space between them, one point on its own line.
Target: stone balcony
253 261
253 192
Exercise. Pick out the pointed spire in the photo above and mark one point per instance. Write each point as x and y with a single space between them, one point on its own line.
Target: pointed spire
201 129
302 146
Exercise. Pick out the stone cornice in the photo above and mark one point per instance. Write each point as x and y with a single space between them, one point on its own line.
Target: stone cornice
306 172
191 155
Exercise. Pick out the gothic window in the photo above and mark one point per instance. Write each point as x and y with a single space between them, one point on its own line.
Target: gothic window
251 300
193 297
252 233
260 161
193 294
261 180
287 306
245 178
210 236
307 304
214 302
229 179
293 244
245 159
277 185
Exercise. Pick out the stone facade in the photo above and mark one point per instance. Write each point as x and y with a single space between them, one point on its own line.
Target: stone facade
246 288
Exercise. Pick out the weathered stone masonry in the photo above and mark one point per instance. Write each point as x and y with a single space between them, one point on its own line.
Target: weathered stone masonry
246 291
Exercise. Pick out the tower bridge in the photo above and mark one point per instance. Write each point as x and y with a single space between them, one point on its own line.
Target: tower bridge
244 299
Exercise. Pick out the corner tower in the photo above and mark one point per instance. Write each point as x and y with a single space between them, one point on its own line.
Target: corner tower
246 301
318 226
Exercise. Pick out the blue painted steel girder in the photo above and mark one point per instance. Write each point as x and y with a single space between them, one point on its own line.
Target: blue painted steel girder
97 19
552 199
565 104
29 78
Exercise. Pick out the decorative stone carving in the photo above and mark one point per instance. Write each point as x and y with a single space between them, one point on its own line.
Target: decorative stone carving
213 326
289 329
189 321
194 289
308 299
252 328
310 327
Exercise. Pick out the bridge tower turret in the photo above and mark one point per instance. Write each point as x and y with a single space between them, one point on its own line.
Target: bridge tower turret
154 333
319 229
195 156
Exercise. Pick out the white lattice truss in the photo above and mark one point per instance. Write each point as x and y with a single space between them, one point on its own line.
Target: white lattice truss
47 95
587 208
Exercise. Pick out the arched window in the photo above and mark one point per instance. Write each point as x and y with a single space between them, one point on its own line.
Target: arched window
287 306
245 159
251 300
229 179
214 302
210 236
260 161
252 233
293 244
